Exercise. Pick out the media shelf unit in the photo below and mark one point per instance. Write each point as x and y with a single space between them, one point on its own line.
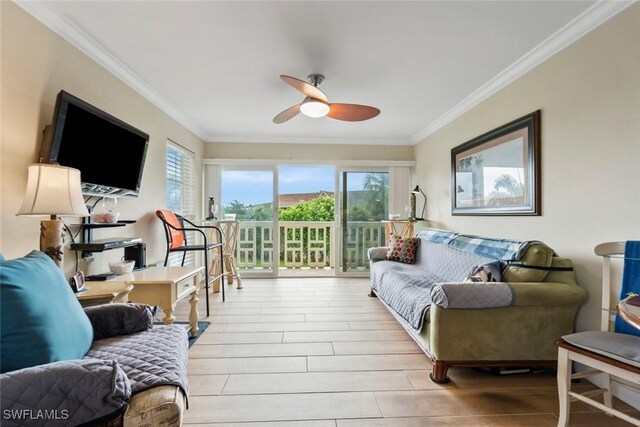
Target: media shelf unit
88 245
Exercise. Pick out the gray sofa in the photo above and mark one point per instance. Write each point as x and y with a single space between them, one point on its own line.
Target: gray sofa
514 322
135 374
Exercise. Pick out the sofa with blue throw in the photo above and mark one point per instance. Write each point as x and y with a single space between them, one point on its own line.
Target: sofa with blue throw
61 365
461 320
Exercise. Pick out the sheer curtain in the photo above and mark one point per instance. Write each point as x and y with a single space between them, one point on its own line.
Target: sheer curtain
399 189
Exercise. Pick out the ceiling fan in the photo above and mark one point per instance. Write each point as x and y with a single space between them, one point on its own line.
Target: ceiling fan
316 104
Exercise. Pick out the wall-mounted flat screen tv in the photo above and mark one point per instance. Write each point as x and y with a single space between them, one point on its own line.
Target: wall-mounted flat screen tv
109 153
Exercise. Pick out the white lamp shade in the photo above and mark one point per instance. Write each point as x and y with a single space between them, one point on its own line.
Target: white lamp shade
53 190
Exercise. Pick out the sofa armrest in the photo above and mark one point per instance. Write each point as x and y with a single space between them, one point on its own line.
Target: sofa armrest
378 254
74 392
547 294
472 295
110 320
498 294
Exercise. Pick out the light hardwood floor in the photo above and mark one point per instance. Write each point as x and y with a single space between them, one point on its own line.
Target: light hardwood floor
318 352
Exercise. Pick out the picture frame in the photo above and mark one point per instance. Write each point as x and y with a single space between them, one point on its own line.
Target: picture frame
498 173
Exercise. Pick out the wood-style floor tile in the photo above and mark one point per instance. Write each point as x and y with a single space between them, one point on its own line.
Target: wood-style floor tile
467 378
392 335
367 362
317 382
246 365
206 385
534 400
376 347
317 423
240 338
281 407
258 318
260 350
535 420
374 325
342 317
287 327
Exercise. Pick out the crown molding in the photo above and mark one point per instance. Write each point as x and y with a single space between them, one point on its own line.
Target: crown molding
87 45
588 20
307 140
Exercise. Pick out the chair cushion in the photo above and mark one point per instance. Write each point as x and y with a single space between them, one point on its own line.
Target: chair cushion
177 236
622 347
42 320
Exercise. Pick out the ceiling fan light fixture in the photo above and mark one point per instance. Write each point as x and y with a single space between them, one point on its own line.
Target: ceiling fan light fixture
314 108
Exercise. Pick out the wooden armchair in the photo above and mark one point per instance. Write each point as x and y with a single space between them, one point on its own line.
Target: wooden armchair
615 356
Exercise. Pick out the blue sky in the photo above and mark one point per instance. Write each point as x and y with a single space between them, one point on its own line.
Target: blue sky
255 187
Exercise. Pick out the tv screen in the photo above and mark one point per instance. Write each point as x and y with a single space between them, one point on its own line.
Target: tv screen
109 153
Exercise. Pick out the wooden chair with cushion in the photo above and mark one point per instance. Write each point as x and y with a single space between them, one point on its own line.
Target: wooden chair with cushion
176 234
615 356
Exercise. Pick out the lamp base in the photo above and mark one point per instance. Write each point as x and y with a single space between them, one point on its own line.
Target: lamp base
52 240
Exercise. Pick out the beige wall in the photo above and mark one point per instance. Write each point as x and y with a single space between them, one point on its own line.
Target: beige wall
589 95
219 150
36 65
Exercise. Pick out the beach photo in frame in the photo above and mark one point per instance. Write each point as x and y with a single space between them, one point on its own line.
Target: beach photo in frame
498 173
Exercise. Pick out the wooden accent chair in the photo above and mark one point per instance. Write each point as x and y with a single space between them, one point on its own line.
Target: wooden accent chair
615 356
176 234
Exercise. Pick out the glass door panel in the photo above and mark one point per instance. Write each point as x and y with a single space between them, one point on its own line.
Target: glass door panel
364 203
306 220
248 194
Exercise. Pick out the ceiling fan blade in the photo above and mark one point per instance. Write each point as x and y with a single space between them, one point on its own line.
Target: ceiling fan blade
287 114
306 88
352 112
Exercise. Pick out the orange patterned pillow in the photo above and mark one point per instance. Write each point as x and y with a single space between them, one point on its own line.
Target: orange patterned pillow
403 249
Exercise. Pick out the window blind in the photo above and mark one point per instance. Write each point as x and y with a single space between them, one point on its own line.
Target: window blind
181 192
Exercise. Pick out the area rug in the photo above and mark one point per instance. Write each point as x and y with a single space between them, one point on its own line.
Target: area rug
202 326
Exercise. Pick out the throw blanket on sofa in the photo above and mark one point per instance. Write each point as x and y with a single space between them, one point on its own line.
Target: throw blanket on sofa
502 249
407 288
140 358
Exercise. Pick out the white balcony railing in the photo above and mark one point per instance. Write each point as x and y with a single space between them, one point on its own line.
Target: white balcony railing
309 244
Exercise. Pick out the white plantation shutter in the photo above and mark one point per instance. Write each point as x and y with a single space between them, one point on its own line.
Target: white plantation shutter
181 197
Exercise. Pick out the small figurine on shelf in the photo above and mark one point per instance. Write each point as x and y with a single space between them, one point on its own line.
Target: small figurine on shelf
213 209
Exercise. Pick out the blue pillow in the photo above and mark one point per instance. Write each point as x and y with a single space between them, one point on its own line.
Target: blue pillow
41 320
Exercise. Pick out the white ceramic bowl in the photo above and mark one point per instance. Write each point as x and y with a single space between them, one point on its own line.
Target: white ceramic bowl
121 267
230 216
394 217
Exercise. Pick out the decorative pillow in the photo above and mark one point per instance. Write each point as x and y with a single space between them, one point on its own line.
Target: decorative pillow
403 249
42 320
485 273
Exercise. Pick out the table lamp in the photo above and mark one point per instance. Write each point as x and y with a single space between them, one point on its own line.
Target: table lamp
415 191
53 191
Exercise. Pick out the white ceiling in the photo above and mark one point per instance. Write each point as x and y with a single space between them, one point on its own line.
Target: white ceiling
214 65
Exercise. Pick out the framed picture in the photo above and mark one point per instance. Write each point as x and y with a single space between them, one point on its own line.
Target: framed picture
498 173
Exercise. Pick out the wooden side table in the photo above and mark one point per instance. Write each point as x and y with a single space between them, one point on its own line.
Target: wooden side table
400 227
164 287
107 292
230 230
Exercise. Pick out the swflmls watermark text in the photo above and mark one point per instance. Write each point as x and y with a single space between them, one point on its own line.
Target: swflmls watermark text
35 414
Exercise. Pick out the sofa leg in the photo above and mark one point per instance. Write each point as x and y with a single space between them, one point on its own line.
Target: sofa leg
372 294
439 374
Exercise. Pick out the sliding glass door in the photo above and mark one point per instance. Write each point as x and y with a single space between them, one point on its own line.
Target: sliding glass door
364 203
317 220
248 195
